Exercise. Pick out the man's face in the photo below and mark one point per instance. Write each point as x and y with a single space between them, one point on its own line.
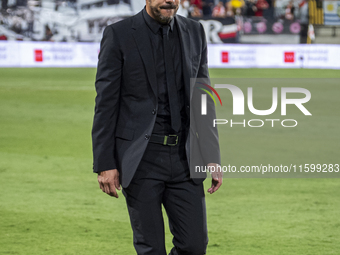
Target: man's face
162 10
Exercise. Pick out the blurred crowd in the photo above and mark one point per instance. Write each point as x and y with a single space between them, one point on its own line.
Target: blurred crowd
17 21
285 9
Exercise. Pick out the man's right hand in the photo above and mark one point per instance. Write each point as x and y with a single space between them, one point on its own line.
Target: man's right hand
109 182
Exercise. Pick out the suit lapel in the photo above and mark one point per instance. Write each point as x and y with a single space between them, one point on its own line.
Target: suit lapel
184 35
144 46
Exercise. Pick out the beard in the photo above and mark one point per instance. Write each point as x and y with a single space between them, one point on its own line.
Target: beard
159 16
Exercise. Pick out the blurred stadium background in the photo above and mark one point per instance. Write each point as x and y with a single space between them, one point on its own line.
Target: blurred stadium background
50 202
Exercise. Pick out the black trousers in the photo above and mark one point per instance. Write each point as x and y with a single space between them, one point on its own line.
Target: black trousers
163 178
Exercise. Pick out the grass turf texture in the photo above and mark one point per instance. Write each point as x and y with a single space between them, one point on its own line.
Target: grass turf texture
50 202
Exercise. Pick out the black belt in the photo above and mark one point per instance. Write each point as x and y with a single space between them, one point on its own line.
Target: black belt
170 140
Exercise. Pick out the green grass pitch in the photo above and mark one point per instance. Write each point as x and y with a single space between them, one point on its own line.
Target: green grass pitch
50 202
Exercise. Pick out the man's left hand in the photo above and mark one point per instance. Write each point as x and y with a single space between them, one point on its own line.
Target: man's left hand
217 177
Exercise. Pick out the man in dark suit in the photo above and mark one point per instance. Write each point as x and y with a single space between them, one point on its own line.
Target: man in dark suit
142 123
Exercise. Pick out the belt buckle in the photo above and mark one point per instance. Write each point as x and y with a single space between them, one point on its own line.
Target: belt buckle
166 140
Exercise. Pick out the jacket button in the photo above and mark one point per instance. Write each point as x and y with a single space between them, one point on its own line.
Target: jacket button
154 111
147 137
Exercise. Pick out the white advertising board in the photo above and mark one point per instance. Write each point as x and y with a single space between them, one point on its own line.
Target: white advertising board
274 56
47 54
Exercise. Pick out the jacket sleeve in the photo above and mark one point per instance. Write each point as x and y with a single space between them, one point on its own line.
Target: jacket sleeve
108 81
207 134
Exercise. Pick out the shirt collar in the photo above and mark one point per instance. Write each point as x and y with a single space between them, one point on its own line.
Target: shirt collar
153 24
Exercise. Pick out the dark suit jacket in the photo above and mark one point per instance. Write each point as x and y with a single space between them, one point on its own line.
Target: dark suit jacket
126 102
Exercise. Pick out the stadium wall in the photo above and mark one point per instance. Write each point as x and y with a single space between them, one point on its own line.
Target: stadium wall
49 54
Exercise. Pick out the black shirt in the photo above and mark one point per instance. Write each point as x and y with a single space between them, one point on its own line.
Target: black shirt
163 120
